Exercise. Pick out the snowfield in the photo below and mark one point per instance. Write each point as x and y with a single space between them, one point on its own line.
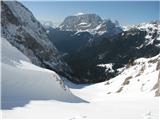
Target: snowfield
29 91
23 81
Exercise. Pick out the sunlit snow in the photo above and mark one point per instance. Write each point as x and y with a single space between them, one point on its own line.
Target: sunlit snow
29 91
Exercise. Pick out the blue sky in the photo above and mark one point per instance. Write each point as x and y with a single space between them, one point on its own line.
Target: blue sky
124 11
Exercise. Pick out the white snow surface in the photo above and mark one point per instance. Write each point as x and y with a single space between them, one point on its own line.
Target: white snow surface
82 23
137 79
108 67
80 13
45 97
22 81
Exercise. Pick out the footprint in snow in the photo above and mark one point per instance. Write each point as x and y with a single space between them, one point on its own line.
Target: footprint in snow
149 115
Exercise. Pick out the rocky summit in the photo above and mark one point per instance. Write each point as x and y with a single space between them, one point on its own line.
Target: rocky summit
91 23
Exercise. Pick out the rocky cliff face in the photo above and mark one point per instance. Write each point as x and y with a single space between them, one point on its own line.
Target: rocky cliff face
91 23
23 31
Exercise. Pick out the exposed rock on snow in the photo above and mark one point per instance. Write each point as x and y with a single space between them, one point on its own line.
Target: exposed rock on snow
142 77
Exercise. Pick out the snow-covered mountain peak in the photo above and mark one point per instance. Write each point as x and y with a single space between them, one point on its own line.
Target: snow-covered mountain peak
71 22
91 23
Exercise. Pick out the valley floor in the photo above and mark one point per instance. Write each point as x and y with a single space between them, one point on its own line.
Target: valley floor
100 105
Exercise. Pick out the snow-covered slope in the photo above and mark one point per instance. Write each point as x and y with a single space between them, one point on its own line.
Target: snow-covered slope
23 31
140 78
91 23
104 100
23 82
36 93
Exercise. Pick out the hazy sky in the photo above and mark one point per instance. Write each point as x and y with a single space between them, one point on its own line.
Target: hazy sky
125 12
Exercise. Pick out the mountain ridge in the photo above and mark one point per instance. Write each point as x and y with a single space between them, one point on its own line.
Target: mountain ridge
119 50
23 31
90 22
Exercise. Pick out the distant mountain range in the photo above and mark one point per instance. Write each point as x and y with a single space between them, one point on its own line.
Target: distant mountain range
80 30
80 44
141 40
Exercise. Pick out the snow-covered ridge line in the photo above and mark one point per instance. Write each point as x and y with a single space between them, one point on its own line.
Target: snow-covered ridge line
143 26
152 30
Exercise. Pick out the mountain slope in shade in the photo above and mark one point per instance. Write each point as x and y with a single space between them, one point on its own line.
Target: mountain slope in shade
118 50
23 31
67 41
23 82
